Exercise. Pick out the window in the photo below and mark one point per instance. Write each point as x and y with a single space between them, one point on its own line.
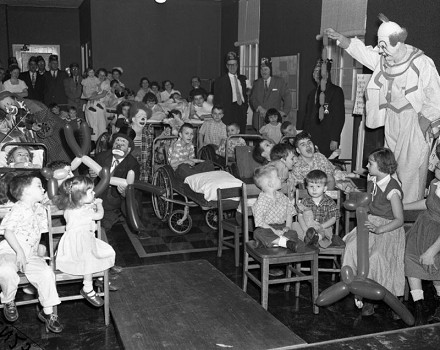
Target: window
249 62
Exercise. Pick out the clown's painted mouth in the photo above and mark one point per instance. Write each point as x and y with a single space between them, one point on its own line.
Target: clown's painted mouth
118 152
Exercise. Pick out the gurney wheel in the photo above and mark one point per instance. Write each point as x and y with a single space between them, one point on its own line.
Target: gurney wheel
211 218
178 227
162 207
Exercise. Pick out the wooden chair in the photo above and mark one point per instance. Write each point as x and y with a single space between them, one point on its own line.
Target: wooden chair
330 253
245 163
262 258
62 277
228 224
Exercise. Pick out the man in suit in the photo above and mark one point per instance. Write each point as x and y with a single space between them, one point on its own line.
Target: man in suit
33 80
119 160
230 93
269 92
73 89
54 79
326 133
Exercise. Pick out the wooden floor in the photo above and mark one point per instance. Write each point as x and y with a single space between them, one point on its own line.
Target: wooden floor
192 305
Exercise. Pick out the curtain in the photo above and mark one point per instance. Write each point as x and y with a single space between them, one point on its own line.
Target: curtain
347 17
248 22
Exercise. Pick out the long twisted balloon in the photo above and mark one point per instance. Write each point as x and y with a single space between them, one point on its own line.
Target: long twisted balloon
360 285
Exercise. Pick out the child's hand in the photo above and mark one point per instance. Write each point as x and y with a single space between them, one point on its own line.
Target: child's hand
427 258
21 261
372 227
98 200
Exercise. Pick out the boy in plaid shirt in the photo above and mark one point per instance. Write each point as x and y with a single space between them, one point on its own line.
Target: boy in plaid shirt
181 155
273 212
317 213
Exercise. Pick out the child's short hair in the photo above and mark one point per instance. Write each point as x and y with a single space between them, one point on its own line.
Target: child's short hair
303 135
58 164
72 191
149 97
262 173
386 162
316 176
173 112
235 125
273 111
10 156
186 125
19 183
281 151
121 106
72 108
285 125
53 105
218 107
136 107
154 83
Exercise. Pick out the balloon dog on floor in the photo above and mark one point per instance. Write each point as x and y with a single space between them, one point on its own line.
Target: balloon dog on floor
81 157
360 285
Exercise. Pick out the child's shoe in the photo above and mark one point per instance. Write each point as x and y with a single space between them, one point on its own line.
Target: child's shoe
92 298
99 106
10 311
93 109
295 246
311 238
51 322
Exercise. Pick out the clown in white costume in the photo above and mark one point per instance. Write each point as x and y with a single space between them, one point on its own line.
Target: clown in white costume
404 96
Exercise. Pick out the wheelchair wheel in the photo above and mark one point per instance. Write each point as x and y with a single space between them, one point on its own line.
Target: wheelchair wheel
103 142
162 208
211 218
180 228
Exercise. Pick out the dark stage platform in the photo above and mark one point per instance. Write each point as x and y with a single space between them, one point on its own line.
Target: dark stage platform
191 305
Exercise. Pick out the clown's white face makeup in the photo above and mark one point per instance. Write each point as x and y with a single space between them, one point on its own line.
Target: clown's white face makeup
392 54
6 103
140 119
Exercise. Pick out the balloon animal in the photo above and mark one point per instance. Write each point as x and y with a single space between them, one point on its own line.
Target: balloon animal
81 157
360 285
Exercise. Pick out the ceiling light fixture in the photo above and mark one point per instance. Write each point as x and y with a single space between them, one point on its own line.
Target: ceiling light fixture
160 1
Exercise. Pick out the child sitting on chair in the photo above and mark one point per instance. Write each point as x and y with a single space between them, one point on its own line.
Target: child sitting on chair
273 212
79 251
213 131
317 213
181 155
231 129
22 228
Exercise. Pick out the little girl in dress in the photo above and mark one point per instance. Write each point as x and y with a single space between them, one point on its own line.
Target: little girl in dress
385 223
91 88
272 129
79 251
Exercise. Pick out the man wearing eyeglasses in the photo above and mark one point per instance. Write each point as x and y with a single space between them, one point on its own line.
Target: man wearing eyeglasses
230 93
268 92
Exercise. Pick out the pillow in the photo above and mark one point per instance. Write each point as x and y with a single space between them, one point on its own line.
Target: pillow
37 159
208 183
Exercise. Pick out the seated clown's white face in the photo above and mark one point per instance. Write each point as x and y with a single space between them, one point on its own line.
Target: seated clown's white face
140 119
6 103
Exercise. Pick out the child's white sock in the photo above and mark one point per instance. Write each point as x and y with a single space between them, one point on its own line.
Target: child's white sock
417 294
282 242
88 286
437 288
48 310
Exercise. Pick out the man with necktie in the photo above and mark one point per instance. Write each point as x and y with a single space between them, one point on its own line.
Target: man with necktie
33 80
230 93
73 89
269 92
54 79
